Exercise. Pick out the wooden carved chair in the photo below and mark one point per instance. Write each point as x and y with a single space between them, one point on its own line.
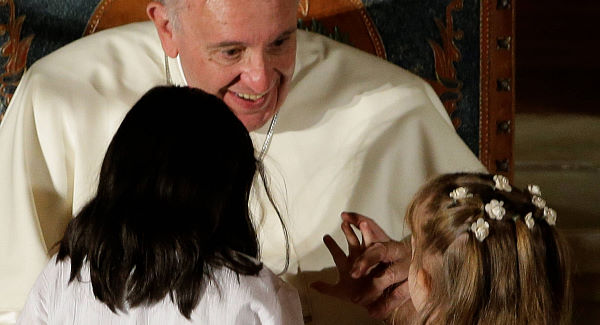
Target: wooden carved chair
463 48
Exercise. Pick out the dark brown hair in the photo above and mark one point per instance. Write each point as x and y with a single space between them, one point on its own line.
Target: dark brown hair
516 275
171 204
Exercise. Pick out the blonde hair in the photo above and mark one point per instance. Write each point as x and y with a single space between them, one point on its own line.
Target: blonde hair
516 275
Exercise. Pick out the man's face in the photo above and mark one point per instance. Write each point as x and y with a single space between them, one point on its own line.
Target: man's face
242 51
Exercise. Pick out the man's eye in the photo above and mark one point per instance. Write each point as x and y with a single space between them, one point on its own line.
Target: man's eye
280 42
231 53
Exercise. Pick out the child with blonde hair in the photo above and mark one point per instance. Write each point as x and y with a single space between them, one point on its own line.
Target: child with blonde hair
483 252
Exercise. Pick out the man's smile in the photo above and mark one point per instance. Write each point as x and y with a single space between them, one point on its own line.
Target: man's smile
251 97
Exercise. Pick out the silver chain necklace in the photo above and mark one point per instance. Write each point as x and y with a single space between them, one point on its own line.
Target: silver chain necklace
265 146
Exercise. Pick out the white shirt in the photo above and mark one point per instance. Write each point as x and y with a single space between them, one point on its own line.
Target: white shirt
356 133
261 299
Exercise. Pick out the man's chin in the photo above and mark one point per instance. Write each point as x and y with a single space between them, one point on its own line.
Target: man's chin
254 122
252 116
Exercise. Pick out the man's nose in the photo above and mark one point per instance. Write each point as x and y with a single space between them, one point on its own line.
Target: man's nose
257 73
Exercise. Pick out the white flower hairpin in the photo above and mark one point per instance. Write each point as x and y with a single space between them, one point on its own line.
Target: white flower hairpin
529 220
495 209
460 193
538 201
481 229
501 183
534 190
550 216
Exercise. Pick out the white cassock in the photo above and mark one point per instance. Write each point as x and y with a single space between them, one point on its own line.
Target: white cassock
356 133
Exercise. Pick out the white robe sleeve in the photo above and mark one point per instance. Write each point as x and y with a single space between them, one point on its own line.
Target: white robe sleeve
52 141
26 187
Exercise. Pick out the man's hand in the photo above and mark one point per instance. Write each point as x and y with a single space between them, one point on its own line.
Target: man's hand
374 273
347 287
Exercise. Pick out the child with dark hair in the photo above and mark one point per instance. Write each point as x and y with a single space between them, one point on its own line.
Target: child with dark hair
168 237
483 252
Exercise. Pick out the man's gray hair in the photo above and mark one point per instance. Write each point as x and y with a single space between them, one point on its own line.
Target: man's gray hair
173 7
172 11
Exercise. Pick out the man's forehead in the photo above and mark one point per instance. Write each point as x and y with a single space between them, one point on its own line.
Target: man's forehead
240 4
220 43
222 20
235 8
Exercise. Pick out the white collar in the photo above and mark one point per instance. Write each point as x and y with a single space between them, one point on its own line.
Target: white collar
181 70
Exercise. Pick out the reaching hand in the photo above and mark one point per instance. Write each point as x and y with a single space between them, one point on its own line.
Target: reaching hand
375 271
347 287
369 229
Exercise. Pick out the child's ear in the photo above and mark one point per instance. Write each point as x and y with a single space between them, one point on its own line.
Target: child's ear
424 281
420 289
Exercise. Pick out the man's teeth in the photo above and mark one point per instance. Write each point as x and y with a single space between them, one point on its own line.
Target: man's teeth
249 96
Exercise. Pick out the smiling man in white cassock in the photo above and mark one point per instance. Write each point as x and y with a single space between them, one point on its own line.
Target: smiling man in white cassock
337 129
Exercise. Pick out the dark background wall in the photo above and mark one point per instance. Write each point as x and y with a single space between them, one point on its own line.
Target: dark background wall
557 136
558 56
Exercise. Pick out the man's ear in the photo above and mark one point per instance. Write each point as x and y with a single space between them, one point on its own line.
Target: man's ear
159 14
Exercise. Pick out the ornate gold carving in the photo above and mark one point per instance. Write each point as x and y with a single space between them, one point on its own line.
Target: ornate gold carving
15 50
316 26
447 85
303 7
346 21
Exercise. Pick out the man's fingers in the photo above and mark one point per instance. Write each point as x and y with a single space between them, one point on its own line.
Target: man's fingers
353 217
387 279
399 297
339 257
353 242
393 274
371 231
372 256
388 252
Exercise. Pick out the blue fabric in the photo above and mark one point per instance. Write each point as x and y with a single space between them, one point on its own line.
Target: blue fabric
53 22
406 25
